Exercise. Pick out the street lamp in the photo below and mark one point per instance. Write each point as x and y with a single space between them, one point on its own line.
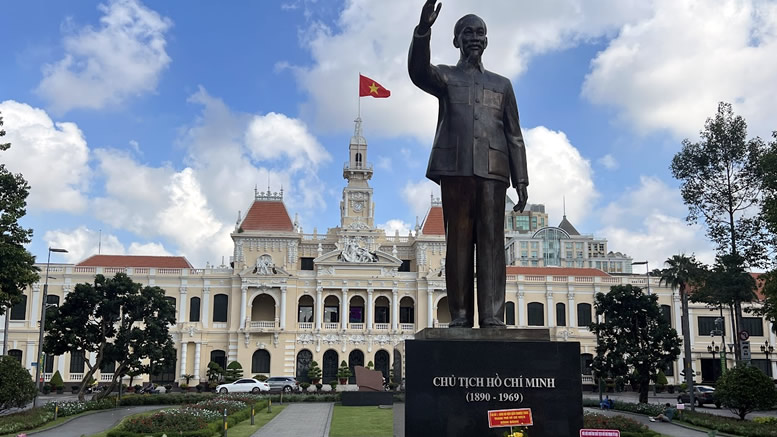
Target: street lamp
768 350
43 326
647 272
713 349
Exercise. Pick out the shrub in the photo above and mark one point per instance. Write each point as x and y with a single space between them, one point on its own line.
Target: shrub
188 378
184 386
56 381
234 372
314 372
214 372
333 384
344 372
182 419
745 389
304 386
16 386
220 404
624 424
24 420
70 408
260 377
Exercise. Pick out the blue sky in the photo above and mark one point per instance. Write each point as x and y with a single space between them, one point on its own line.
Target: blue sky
153 121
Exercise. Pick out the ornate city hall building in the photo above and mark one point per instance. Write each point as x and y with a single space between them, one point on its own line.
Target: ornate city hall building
353 293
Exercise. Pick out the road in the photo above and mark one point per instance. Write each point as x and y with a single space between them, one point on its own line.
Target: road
663 398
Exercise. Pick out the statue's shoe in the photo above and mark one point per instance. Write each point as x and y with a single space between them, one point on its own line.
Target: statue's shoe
460 323
492 322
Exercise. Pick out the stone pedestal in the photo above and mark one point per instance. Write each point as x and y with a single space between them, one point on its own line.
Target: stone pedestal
455 376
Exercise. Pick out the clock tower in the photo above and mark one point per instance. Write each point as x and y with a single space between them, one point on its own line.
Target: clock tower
357 210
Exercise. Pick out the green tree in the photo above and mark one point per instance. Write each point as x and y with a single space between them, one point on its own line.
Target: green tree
234 372
16 386
682 271
56 380
768 309
115 320
344 372
721 182
314 372
17 265
769 213
745 389
633 335
214 372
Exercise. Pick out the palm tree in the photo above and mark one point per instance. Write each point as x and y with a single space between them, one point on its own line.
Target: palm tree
682 271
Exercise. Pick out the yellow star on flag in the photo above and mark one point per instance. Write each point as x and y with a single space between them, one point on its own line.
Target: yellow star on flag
373 88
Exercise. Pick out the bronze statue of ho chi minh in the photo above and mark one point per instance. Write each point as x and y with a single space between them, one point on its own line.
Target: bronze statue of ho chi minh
478 149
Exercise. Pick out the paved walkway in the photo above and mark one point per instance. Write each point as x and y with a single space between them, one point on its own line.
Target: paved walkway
667 429
302 419
94 423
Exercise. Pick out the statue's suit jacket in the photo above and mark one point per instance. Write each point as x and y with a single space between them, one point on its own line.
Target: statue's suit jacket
478 132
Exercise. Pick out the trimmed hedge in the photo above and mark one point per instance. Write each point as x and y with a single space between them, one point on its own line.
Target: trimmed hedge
165 399
628 427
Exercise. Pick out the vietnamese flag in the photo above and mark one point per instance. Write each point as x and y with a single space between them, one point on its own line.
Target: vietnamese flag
368 87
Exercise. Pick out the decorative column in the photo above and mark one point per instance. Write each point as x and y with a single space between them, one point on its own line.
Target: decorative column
184 346
772 341
429 308
34 310
550 308
521 308
571 308
61 364
319 307
370 309
344 309
29 357
243 298
182 305
197 350
394 309
283 307
205 307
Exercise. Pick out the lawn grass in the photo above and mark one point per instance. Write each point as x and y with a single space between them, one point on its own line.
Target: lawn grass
141 414
245 429
362 421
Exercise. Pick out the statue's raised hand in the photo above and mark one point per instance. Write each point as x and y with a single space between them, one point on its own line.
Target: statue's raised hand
428 16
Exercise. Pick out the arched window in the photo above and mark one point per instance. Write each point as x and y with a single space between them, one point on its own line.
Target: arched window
48 366
443 313
561 314
331 309
382 310
108 366
536 313
356 310
329 366
219 357
406 310
19 311
583 314
355 358
304 358
666 311
77 362
16 353
194 309
260 362
305 310
171 299
586 364
263 308
382 360
52 299
220 304
163 372
510 313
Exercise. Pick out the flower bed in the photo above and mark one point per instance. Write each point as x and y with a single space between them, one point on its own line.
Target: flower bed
628 427
70 408
221 404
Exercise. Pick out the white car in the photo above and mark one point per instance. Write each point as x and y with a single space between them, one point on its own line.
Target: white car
246 385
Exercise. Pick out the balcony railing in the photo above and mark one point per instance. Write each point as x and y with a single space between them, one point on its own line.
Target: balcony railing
382 326
356 326
106 377
76 376
47 376
305 325
442 325
407 326
588 379
262 324
331 326
218 325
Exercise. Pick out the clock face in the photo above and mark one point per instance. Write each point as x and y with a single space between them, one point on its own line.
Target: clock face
357 205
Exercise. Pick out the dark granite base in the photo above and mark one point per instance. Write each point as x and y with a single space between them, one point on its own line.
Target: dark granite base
479 334
366 398
452 384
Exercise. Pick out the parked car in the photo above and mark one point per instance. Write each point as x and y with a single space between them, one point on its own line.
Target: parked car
244 385
283 383
702 394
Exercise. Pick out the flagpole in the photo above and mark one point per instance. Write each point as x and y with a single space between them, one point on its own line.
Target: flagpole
358 96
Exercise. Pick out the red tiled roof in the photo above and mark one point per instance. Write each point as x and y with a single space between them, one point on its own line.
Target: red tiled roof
554 271
267 215
434 223
171 262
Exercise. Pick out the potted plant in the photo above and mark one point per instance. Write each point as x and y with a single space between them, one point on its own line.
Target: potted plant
57 382
319 386
304 386
137 387
199 387
184 386
188 378
370 365
343 373
314 373
46 388
74 389
333 384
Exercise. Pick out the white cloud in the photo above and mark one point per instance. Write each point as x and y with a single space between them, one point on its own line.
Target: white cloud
394 225
608 161
384 162
647 222
103 66
83 242
374 36
418 196
670 69
52 157
274 137
558 171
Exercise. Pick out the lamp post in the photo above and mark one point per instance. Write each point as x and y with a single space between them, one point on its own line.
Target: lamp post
647 272
713 349
38 365
768 349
